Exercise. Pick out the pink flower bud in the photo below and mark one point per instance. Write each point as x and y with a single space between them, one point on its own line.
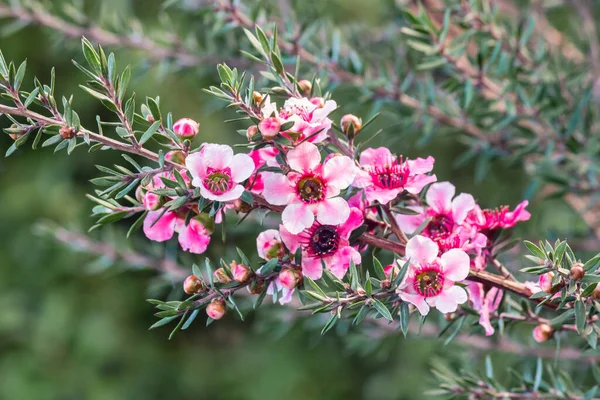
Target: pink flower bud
545 283
577 271
186 128
257 97
318 101
542 332
388 269
139 194
176 156
240 272
220 276
193 285
269 128
216 309
152 201
351 124
251 132
290 278
67 132
305 86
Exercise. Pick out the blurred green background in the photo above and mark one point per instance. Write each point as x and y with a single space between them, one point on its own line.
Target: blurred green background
67 333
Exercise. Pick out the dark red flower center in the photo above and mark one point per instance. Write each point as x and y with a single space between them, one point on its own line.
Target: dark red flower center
439 227
218 181
324 240
311 188
429 281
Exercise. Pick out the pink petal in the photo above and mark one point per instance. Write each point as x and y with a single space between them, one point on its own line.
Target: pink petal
194 238
519 214
417 300
305 157
439 197
292 242
382 196
161 230
333 211
311 267
286 296
449 299
195 164
297 217
380 155
417 183
218 156
476 294
340 261
339 171
420 165
421 250
355 219
461 206
323 112
410 223
455 264
233 194
278 189
266 240
362 179
241 167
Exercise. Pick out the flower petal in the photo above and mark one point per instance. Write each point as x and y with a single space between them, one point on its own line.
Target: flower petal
333 211
195 164
305 157
421 250
420 165
410 223
340 261
265 240
217 156
449 299
355 219
371 156
418 301
278 189
194 238
461 206
241 167
339 171
439 197
455 264
297 217
163 229
312 267
292 242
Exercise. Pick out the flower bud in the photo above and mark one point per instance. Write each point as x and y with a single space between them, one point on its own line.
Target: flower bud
350 124
241 206
139 194
318 101
67 132
251 132
386 284
545 283
388 269
542 332
216 309
257 97
152 201
220 276
290 278
305 86
360 291
577 271
241 273
176 156
186 128
150 118
596 293
193 285
269 128
256 287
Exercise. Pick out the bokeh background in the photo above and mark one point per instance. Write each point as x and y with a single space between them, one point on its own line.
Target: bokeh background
73 326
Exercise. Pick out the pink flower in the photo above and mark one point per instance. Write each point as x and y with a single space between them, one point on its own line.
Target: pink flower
310 189
160 227
430 279
261 157
325 244
384 176
275 287
186 128
269 127
310 118
499 218
269 245
217 172
448 214
485 303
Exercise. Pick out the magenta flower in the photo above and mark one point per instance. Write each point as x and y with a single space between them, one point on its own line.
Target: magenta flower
310 189
193 237
448 214
218 173
269 245
430 279
384 176
485 303
325 243
499 218
309 117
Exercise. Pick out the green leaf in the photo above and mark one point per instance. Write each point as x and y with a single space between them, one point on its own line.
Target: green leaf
20 75
150 131
382 309
190 319
163 321
137 224
378 267
404 317
592 263
90 55
580 318
533 249
457 328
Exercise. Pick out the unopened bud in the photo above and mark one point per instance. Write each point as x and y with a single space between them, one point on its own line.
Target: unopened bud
187 128
251 132
150 118
577 271
256 287
290 278
305 86
216 309
392 268
269 128
139 194
360 291
193 285
545 283
67 132
257 97
176 156
241 273
350 124
386 284
318 101
542 332
152 201
242 206
220 276
596 293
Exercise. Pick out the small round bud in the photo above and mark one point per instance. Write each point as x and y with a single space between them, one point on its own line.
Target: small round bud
269 128
216 309
449 316
176 156
193 285
251 132
242 206
386 284
241 273
139 194
150 118
577 271
596 293
542 332
67 132
220 276
256 287
360 291
305 86
392 268
257 97
545 282
290 278
152 201
186 128
350 124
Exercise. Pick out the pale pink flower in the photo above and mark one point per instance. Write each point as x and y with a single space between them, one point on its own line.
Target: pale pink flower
194 237
186 128
384 176
485 303
269 245
430 279
310 189
218 173
448 214
309 117
499 218
326 244
276 287
160 227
